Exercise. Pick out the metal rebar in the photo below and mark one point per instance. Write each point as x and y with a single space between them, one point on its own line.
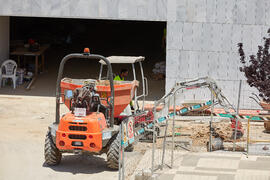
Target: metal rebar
154 139
173 125
123 152
120 152
248 126
211 120
135 92
165 135
143 85
237 111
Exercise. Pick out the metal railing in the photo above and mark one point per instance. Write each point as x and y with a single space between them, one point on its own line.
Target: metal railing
259 142
166 116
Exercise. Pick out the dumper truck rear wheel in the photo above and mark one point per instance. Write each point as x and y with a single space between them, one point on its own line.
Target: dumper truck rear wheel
52 155
113 153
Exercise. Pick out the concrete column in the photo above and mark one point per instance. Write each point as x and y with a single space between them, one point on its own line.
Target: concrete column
4 38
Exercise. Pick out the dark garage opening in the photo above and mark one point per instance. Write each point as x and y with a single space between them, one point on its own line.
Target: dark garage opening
104 37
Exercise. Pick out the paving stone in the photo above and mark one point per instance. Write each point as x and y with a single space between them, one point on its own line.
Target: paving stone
215 169
263 159
193 177
251 177
172 171
226 177
190 160
223 154
262 165
218 163
166 177
186 168
249 158
221 157
253 172
219 176
203 173
218 166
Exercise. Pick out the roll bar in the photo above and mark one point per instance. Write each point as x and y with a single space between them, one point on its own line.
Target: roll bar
60 73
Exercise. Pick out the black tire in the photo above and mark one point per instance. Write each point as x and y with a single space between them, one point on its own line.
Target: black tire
113 153
130 148
52 155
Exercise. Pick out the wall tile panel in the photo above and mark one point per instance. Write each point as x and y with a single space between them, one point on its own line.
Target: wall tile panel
211 11
260 12
173 66
181 10
197 36
175 35
188 36
216 37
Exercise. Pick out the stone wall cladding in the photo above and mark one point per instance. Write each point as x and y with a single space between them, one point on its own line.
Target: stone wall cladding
202 35
149 10
202 41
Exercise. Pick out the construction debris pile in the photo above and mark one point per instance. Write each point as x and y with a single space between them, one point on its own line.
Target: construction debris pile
199 133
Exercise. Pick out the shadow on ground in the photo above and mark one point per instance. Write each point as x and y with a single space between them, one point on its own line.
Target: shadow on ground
81 164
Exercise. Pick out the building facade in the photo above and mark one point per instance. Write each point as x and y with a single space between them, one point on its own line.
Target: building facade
202 35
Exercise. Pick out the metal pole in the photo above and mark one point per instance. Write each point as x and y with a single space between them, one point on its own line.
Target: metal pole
123 151
100 71
236 121
210 123
120 152
135 93
154 138
165 135
239 94
143 84
174 114
248 126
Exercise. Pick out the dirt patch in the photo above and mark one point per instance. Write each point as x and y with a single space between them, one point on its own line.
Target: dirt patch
196 135
200 133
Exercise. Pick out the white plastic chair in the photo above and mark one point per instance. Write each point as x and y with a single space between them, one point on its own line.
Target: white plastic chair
8 70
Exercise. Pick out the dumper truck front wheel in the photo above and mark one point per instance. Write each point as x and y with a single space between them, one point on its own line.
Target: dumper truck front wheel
130 148
52 155
113 153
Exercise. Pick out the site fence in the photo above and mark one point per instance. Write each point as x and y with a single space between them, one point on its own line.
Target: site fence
242 129
258 137
162 151
246 103
248 126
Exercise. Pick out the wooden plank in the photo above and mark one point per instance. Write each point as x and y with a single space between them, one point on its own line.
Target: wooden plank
25 52
42 62
36 65
31 83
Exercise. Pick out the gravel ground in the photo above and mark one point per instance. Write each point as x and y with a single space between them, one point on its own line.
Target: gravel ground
25 120
24 123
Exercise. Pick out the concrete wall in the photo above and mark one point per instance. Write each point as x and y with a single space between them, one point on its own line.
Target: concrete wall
202 41
202 35
151 10
4 38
